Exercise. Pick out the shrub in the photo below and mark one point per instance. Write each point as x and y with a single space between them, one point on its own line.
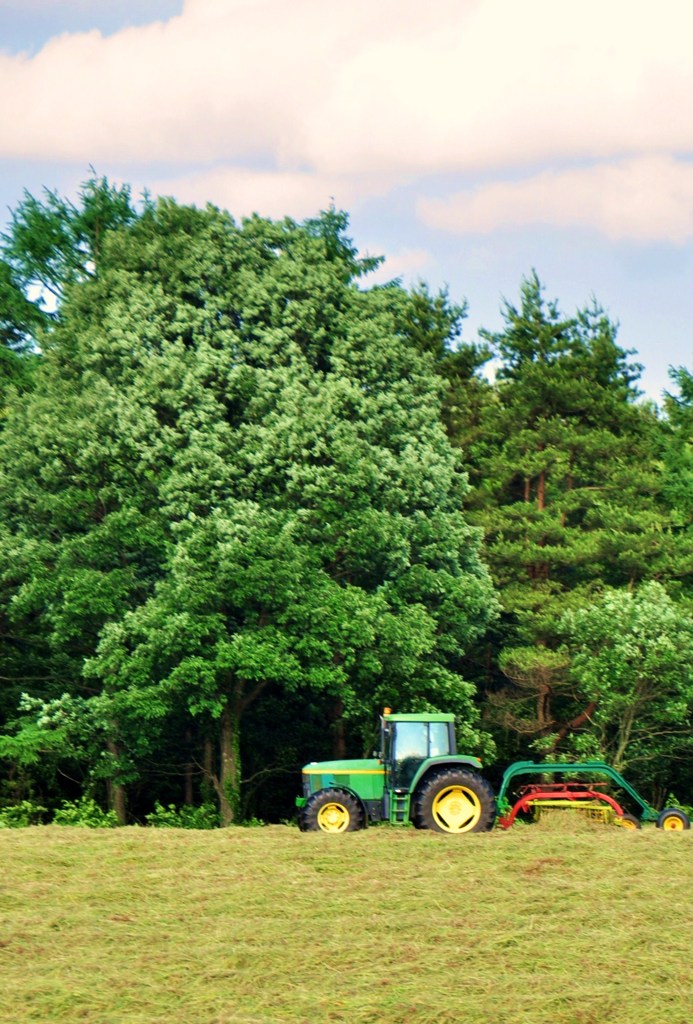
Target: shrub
21 815
671 801
84 813
203 817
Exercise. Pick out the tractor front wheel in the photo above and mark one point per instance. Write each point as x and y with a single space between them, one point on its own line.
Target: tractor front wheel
673 820
454 802
332 810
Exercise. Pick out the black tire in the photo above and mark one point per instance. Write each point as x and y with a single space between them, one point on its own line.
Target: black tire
454 802
673 820
628 821
331 810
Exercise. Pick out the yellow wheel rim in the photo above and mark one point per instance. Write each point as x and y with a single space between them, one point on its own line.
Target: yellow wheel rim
626 823
333 817
673 824
456 809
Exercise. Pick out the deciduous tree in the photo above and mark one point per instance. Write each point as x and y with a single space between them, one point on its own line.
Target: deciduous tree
632 656
232 475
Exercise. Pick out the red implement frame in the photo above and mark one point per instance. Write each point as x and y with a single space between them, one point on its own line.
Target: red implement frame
557 791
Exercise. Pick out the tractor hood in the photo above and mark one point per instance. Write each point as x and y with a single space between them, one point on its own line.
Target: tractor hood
365 777
369 764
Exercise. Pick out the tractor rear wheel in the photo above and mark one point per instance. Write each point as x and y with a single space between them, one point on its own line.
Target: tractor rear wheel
332 810
673 820
454 802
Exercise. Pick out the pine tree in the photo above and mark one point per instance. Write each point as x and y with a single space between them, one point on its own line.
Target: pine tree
567 467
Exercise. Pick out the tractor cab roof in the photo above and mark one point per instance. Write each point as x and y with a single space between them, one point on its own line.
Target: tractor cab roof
424 716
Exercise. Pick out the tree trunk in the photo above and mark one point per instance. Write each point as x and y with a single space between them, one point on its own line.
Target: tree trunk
544 717
207 786
228 786
337 729
542 568
569 484
188 794
575 723
117 796
623 737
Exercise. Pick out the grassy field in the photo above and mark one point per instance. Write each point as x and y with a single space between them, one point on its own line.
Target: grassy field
257 926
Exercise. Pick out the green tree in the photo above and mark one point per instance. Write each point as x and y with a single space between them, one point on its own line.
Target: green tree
434 325
50 244
231 479
678 472
632 657
568 486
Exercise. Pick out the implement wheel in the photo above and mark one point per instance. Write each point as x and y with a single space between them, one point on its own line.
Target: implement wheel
455 802
628 821
672 820
332 810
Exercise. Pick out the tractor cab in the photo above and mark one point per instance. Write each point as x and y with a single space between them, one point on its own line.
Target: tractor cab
409 740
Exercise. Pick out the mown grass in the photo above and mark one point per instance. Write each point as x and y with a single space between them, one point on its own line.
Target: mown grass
387 926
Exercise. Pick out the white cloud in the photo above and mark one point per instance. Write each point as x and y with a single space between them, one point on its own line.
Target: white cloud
408 263
511 84
221 81
245 191
295 102
647 199
342 88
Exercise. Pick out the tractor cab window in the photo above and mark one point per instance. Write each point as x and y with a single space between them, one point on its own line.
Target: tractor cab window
386 733
413 743
439 739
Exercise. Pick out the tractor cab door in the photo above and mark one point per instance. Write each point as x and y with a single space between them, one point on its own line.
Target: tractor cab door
411 743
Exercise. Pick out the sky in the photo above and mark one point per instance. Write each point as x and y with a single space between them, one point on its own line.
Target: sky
471 141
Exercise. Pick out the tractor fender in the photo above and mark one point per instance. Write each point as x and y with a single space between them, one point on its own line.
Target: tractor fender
433 765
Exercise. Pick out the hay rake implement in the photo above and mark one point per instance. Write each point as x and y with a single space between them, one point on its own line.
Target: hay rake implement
582 795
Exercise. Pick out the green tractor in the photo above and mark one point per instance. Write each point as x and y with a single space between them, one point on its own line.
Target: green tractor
417 776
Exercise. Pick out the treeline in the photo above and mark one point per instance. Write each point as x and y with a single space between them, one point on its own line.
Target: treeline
247 499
